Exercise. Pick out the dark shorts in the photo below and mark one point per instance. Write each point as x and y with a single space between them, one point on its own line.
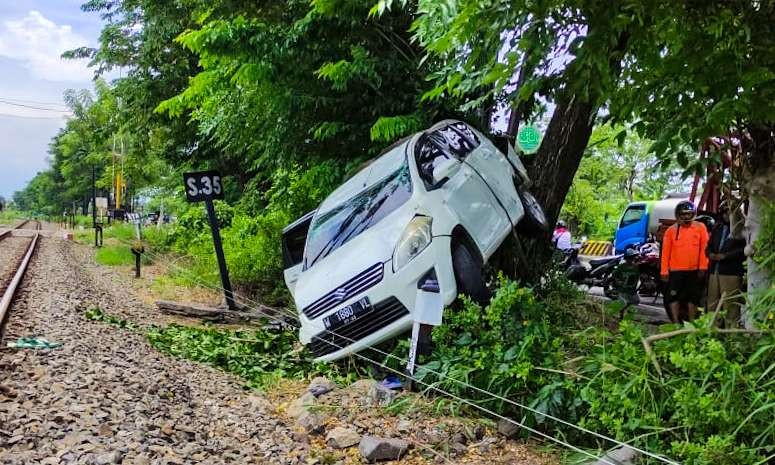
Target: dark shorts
684 287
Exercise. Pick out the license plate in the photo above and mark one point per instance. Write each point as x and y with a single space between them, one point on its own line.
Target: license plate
348 314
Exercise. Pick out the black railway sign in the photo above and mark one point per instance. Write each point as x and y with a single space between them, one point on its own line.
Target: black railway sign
203 185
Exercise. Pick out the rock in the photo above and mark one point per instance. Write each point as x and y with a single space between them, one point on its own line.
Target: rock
508 428
361 387
321 385
168 429
380 395
373 448
459 448
459 438
341 438
109 458
105 430
404 426
620 456
301 405
312 423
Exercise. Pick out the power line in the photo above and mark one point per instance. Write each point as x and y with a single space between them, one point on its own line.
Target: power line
469 402
9 115
36 102
6 102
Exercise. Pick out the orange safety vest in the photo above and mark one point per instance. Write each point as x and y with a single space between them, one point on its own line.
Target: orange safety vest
683 248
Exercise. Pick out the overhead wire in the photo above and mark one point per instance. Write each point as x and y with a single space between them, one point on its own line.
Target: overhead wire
440 375
241 300
33 107
36 102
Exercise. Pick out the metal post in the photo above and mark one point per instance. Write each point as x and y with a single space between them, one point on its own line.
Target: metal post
94 203
219 254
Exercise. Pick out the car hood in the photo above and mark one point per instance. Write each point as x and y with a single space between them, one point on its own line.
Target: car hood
374 245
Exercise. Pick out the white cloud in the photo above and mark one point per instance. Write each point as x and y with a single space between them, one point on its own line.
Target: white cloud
39 42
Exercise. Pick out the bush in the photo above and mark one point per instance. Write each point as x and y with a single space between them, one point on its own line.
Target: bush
713 403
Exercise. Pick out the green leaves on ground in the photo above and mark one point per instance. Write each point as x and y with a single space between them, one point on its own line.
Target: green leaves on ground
258 356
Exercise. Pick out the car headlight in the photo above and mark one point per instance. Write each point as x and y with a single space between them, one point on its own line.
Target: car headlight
415 238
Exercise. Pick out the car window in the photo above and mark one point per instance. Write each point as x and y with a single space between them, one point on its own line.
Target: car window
454 140
294 238
337 226
632 215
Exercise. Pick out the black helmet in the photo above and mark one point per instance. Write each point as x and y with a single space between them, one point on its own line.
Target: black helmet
684 207
630 253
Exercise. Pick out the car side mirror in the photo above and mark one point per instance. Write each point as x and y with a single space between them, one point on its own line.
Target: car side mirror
444 170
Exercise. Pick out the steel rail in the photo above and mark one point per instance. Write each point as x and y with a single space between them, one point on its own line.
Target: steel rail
10 291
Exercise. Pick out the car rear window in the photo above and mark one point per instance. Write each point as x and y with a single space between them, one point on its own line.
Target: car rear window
454 140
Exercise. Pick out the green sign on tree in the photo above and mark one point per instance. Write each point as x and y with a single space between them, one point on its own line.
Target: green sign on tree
528 139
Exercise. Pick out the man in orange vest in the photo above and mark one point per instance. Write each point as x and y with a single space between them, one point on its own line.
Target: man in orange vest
684 262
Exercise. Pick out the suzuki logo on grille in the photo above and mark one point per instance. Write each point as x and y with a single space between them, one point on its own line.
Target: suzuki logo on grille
340 293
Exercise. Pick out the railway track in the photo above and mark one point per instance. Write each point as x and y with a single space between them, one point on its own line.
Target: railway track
11 281
20 226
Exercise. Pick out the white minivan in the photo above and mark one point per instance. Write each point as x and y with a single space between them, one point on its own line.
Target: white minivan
427 213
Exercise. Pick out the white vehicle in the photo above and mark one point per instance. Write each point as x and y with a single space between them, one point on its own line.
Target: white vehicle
432 208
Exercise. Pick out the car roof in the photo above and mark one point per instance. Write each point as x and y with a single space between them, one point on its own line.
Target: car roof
374 171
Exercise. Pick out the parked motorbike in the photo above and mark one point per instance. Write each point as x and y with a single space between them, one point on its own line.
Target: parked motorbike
598 273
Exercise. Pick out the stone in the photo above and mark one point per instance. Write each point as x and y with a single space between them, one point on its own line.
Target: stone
109 458
459 448
380 395
301 405
507 428
361 387
620 456
374 449
321 385
342 438
312 423
404 426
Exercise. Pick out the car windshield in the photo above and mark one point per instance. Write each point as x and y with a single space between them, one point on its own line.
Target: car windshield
335 227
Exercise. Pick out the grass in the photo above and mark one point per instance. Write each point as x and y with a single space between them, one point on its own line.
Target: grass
114 255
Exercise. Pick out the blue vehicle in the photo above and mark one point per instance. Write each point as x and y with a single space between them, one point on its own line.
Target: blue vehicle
640 220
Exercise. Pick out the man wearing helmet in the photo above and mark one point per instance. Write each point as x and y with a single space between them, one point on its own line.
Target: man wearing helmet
684 262
561 236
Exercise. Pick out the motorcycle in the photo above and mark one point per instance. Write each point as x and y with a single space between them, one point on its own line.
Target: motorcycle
598 273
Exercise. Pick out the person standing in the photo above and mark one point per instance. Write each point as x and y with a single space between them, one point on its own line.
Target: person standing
561 237
725 252
684 263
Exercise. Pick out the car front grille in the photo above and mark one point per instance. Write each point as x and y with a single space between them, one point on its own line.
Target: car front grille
385 313
362 281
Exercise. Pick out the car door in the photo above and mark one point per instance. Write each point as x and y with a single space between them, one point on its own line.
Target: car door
293 239
496 171
476 206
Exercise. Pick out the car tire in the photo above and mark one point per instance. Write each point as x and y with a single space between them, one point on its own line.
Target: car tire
468 274
534 221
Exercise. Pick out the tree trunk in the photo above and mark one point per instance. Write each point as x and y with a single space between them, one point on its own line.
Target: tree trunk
552 173
760 186
560 153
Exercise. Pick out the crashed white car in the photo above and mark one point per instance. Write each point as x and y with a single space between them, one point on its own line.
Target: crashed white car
426 214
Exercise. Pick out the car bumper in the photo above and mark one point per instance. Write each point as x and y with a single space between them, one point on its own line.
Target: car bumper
394 301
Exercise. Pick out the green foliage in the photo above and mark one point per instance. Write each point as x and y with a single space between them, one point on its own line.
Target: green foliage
257 356
712 404
97 314
617 169
115 255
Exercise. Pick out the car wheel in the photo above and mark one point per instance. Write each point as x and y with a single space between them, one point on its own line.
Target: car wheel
534 222
468 274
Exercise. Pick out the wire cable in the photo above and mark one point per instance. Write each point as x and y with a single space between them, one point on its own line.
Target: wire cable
440 375
6 102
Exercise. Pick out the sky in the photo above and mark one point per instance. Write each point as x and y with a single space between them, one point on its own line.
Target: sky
33 78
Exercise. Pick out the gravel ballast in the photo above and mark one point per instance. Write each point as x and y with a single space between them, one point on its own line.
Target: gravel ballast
106 396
